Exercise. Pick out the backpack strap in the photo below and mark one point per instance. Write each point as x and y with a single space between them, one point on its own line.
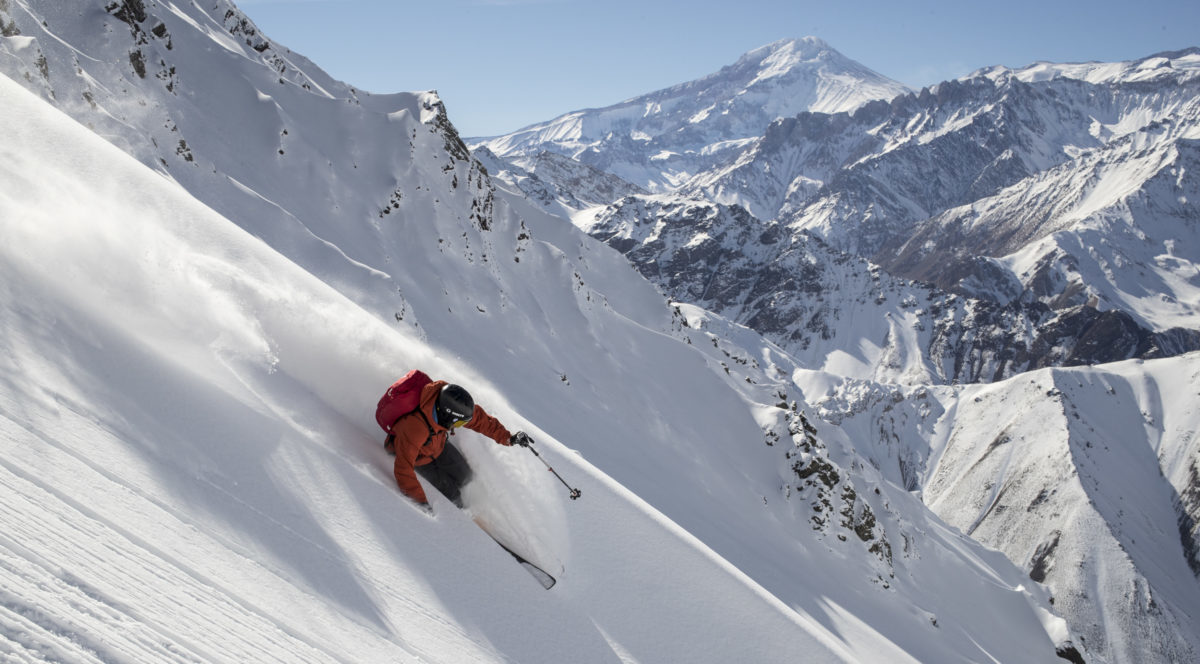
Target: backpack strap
427 426
391 437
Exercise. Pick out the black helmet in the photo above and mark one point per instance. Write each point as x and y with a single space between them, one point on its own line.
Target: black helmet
454 406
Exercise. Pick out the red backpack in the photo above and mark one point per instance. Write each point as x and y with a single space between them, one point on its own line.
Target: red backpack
402 398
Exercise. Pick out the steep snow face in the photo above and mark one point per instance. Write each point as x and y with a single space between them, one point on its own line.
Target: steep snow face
190 474
197 397
1086 477
658 140
1092 429
376 195
192 470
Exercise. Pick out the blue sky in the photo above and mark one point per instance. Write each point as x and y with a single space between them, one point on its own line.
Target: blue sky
502 64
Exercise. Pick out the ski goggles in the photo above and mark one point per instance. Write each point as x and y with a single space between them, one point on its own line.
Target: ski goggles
450 419
456 419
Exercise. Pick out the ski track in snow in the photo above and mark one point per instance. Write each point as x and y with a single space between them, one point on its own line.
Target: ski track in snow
124 572
180 602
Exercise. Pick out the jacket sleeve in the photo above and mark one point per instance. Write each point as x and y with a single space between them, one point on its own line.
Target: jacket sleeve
489 426
411 434
406 477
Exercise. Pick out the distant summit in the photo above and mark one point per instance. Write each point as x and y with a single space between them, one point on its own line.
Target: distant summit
658 140
820 78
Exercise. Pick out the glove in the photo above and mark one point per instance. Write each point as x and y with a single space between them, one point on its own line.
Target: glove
520 438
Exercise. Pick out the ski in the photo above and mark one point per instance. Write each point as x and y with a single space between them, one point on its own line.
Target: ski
536 572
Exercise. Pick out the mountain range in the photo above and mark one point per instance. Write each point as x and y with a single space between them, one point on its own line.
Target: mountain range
217 257
972 232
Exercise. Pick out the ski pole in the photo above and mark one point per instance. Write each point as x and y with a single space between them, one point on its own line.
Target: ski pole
575 493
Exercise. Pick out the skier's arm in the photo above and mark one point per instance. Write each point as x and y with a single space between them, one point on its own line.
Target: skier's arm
411 434
489 426
406 477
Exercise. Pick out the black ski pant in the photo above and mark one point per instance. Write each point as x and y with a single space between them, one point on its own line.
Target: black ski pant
448 473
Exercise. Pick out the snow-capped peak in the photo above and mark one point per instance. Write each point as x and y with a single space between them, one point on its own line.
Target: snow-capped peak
796 57
659 139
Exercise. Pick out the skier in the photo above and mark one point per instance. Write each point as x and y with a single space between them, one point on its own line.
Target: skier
420 441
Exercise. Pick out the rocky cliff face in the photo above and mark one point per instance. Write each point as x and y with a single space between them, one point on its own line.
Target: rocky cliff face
816 302
557 184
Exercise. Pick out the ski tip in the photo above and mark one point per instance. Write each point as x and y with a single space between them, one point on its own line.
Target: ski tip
540 574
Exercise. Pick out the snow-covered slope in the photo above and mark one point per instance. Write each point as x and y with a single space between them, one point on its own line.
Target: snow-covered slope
190 473
659 140
195 343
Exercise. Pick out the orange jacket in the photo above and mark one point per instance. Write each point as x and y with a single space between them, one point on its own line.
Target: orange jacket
420 439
